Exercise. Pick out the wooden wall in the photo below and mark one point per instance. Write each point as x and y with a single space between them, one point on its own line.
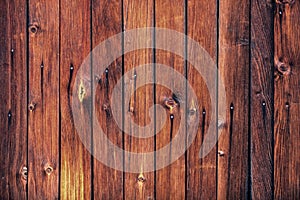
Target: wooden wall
255 45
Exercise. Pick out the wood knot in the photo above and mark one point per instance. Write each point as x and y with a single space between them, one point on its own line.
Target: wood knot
48 169
170 104
34 28
141 178
24 173
31 107
106 108
193 108
81 91
283 68
221 123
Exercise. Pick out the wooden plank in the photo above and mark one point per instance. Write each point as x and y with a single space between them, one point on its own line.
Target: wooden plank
201 173
170 181
287 104
234 71
75 180
138 15
106 22
262 99
13 78
43 116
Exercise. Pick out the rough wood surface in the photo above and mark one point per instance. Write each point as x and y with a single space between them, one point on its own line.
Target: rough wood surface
43 115
106 22
138 15
201 173
75 172
234 68
255 45
286 100
13 98
262 108
170 181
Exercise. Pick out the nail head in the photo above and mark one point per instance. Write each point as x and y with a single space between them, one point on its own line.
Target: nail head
221 153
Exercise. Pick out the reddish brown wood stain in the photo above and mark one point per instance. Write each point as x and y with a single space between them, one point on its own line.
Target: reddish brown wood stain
255 45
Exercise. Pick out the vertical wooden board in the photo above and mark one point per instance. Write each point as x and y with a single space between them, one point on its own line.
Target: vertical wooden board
13 98
138 15
4 97
43 116
75 175
262 99
234 59
287 104
170 181
106 22
201 173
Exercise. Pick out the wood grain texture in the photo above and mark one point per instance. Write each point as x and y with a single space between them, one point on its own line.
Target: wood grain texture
106 22
287 104
75 174
201 173
138 14
13 98
170 181
43 117
262 99
43 44
234 59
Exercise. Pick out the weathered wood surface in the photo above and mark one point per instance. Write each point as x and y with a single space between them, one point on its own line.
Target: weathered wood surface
106 22
287 100
262 99
75 37
13 98
170 181
138 15
43 99
233 63
201 174
255 45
